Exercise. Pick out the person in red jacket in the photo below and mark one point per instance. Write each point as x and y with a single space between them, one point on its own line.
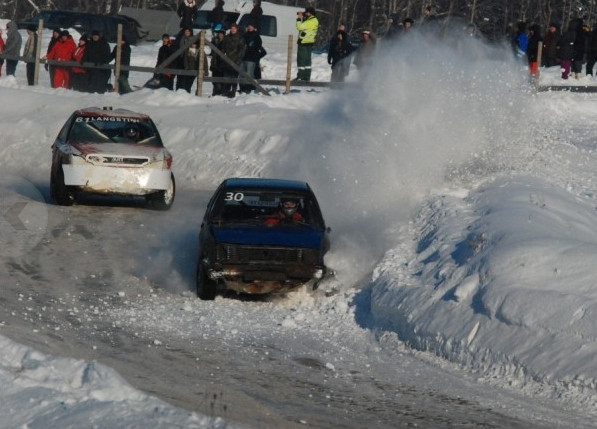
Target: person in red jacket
79 78
287 213
63 50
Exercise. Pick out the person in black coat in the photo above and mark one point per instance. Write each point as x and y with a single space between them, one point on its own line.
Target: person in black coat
187 12
580 49
217 15
566 49
550 43
591 51
339 56
256 14
166 80
234 47
252 55
533 48
97 53
125 60
216 65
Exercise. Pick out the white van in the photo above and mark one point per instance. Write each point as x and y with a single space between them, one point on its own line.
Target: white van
277 22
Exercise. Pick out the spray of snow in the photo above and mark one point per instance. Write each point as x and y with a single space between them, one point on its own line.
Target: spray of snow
426 114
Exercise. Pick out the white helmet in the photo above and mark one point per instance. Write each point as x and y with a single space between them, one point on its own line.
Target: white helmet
289 206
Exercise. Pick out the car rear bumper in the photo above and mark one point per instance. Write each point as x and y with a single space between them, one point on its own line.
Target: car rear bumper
116 180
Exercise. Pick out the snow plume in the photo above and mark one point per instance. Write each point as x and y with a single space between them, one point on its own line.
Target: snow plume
427 111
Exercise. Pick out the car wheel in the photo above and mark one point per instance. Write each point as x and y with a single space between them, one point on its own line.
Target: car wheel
206 288
59 191
163 200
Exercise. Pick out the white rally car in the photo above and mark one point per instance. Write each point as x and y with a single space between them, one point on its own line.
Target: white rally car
117 152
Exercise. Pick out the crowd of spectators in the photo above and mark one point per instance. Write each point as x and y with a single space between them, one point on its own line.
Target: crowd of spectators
237 52
572 50
81 66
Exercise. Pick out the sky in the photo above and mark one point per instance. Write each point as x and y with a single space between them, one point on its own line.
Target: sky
462 206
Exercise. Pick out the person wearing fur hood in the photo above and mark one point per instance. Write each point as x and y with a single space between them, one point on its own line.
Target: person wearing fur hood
187 12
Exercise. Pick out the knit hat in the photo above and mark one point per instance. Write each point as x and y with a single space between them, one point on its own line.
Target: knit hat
64 33
95 33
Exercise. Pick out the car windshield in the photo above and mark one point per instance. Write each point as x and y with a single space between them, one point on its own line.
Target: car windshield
114 129
257 206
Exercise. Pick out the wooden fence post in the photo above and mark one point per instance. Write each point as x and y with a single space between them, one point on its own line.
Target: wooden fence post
40 30
539 57
118 56
201 64
289 64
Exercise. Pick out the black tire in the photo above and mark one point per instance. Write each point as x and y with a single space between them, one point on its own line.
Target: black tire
206 288
59 191
163 200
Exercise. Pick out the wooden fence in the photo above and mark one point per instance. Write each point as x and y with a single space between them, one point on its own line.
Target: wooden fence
243 78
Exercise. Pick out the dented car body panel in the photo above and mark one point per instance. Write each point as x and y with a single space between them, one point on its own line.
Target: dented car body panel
116 168
104 151
241 250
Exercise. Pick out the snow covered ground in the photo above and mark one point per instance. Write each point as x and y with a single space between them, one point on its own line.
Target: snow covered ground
463 214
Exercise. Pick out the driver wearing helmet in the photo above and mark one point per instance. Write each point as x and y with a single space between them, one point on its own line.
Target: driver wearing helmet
287 213
131 131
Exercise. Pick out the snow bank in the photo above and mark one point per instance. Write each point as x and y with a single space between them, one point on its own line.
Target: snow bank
42 391
502 282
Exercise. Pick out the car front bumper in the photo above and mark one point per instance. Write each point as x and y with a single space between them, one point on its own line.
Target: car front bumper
116 180
256 279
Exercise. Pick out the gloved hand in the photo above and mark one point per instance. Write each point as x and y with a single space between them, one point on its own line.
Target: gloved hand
46 66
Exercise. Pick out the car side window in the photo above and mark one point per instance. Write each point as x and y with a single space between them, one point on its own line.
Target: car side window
268 24
110 28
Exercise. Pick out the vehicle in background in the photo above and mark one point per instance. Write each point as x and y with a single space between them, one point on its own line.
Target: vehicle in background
153 23
277 22
111 152
86 23
250 243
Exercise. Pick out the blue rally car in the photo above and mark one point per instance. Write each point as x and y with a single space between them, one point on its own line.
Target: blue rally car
261 236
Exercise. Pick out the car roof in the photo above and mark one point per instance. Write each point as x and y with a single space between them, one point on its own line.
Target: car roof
74 12
108 111
274 184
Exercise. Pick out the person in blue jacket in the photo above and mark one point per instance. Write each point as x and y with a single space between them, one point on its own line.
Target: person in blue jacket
520 42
